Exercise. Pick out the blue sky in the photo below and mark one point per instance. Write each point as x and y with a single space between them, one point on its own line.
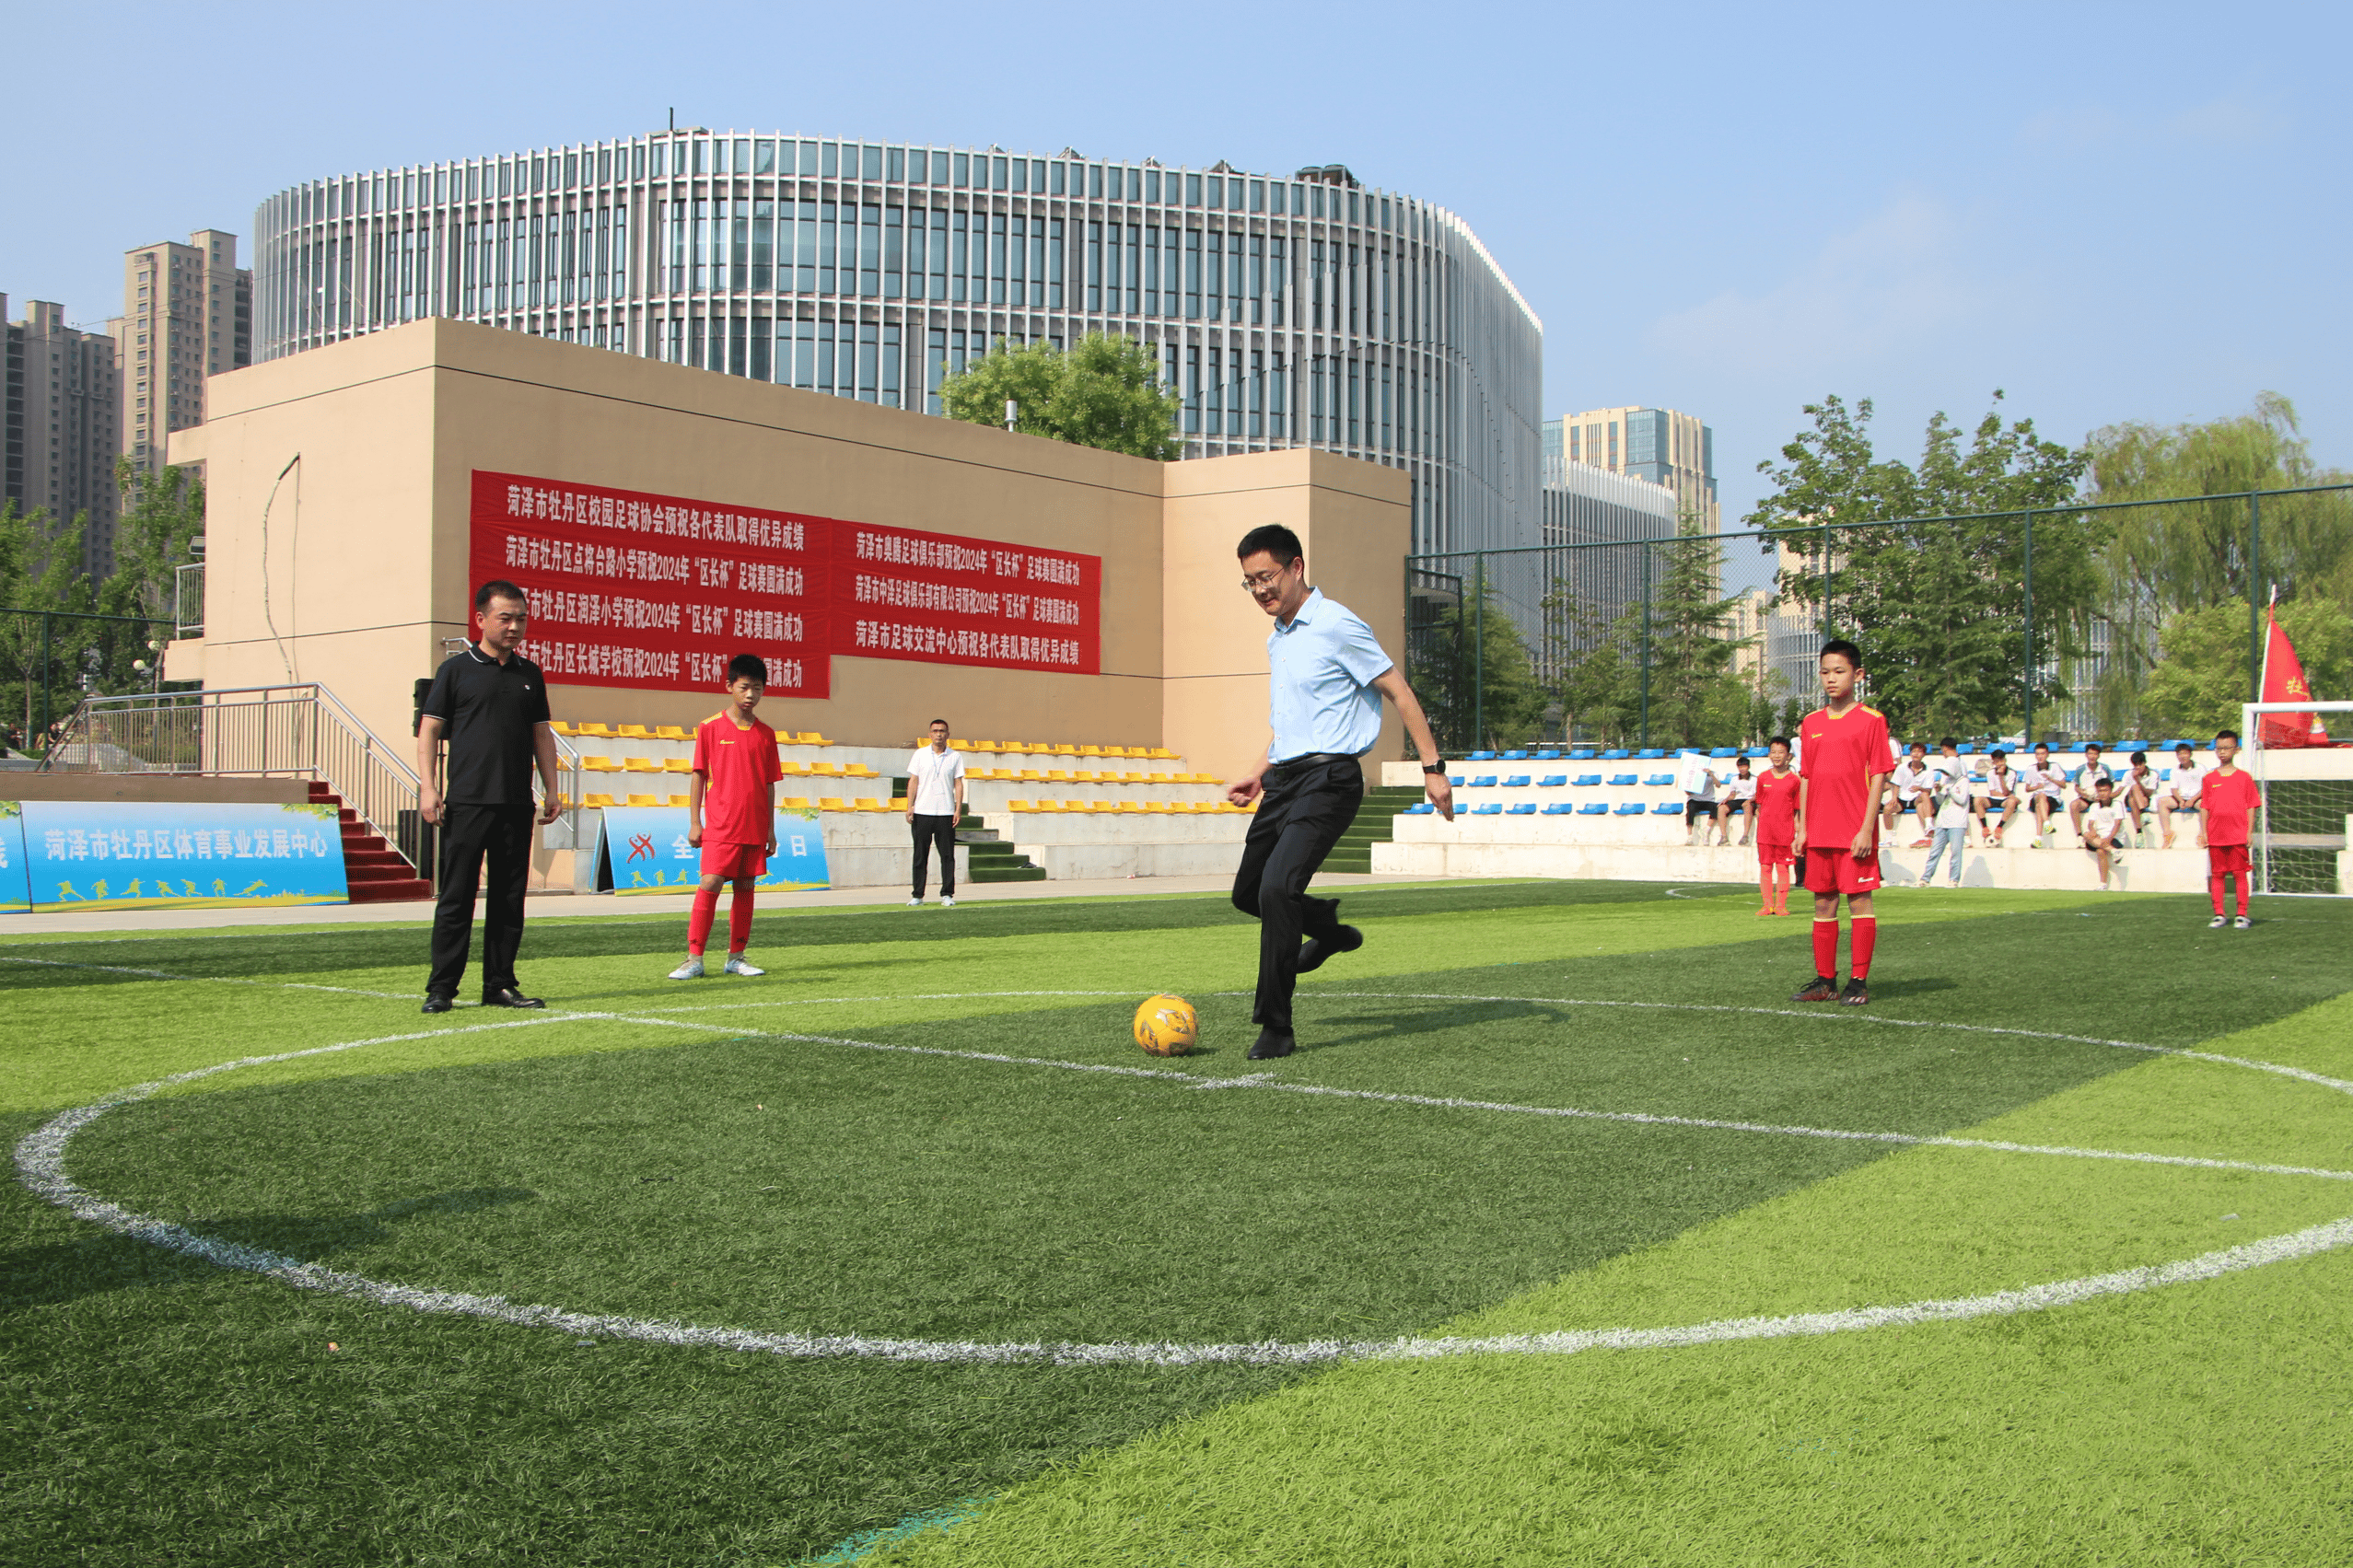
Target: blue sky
2110 212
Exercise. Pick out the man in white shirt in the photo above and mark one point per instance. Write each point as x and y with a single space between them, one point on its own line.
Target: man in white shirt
2045 786
1952 792
935 804
2087 785
2002 798
2181 791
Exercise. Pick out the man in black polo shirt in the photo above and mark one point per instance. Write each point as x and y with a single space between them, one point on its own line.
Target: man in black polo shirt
492 705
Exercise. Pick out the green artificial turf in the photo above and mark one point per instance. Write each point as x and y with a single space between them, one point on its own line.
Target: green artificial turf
753 1171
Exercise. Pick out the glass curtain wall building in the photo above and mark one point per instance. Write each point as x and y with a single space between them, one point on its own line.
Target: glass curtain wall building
1299 311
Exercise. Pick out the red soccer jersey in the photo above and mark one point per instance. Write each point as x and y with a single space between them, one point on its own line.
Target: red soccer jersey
2228 800
739 771
1843 753
1776 808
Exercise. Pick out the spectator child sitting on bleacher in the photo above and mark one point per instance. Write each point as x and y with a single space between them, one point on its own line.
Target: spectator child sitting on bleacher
1911 787
1739 800
2181 791
2103 824
1699 782
2087 784
2002 799
2046 784
2137 791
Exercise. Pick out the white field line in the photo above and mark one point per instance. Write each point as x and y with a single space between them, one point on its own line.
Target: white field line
41 1165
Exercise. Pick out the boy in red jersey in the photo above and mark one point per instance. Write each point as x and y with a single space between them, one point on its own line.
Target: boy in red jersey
1840 790
1777 829
2228 797
736 770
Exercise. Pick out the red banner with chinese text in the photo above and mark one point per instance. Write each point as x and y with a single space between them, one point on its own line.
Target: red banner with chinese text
657 591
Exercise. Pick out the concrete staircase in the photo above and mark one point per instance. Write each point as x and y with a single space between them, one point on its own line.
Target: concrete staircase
1375 824
374 872
990 859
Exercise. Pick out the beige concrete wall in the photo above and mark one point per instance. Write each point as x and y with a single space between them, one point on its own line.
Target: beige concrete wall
1355 520
366 556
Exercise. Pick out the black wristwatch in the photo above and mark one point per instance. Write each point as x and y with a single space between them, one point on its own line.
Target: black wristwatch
1437 767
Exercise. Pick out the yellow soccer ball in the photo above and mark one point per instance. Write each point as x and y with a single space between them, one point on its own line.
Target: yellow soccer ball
1167 1026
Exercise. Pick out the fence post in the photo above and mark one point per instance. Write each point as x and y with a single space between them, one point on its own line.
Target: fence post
44 687
1479 653
2254 596
1826 578
1645 647
2026 725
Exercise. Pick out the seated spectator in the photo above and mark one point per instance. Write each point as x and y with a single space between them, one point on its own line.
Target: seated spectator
2137 791
2181 791
1909 791
2046 787
2087 782
1739 796
2102 824
1698 784
2005 793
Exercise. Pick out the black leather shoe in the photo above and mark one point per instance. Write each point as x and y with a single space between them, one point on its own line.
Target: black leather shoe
510 999
437 1004
1273 1043
1344 939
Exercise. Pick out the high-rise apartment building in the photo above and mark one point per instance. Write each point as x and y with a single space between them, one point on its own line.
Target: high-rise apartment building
1656 444
1292 310
61 435
187 314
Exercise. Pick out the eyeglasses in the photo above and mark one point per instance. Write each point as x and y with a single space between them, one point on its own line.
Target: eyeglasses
1253 581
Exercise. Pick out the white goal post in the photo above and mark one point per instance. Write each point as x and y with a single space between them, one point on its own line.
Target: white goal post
2300 839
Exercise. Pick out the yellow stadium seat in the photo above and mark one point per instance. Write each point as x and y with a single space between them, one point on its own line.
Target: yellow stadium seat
1090 751
671 732
678 801
598 764
832 803
1058 775
1018 806
640 765
830 769
596 802
645 800
1075 806
1031 776
1155 778
634 732
984 746
897 804
796 770
795 803
860 771
1064 749
560 726
871 804
810 737
1131 778
1129 804
678 764
592 729
1161 752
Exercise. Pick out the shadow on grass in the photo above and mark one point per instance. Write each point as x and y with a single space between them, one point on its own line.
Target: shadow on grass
1436 1020
58 1272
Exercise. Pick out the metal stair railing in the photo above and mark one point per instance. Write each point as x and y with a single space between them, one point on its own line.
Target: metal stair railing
299 730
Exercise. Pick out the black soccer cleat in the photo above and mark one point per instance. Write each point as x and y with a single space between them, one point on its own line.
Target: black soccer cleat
1344 939
1273 1042
1823 989
443 1004
1854 995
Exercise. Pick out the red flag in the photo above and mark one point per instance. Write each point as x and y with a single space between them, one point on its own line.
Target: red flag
2283 682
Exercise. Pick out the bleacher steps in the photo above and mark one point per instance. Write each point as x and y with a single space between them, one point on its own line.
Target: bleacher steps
1375 824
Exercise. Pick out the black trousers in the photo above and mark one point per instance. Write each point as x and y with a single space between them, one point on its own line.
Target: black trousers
940 831
469 833
1308 805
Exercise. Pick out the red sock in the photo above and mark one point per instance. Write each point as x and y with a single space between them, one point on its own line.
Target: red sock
2242 879
1866 934
1825 947
739 920
698 924
2216 887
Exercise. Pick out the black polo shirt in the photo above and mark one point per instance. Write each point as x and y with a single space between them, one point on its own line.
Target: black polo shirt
489 712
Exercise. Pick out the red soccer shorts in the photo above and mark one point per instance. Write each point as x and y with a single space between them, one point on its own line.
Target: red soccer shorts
2223 860
1838 871
1776 855
729 862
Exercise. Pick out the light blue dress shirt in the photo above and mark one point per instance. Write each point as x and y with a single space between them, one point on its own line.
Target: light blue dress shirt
1320 669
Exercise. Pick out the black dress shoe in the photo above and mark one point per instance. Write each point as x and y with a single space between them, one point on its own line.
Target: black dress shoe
510 998
1344 939
437 1004
1273 1042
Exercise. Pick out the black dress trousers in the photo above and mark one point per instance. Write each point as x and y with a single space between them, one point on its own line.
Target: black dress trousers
468 832
931 830
1308 804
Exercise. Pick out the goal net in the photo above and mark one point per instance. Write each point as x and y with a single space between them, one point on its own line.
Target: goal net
2300 838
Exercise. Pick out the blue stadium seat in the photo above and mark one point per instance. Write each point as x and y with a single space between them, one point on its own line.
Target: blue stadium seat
1485 783
1595 808
1585 755
1517 781
1631 809
1652 755
1560 808
1666 809
1656 780
1480 757
1419 808
1525 809
1725 751
1514 755
1615 756
1968 749
1457 780
1587 780
1548 756
1622 781
1553 780
1495 810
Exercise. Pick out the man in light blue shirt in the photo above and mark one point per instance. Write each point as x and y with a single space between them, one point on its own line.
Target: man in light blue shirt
1326 677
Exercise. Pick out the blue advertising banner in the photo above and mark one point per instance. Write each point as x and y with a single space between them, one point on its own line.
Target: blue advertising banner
645 851
138 855
15 892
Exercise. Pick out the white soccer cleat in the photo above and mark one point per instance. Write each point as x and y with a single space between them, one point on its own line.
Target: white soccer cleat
2243 923
736 965
691 969
915 903
2217 923
946 902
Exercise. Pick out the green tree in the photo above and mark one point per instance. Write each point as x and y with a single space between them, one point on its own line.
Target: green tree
1105 393
2198 687
40 570
1695 700
1937 600
1472 670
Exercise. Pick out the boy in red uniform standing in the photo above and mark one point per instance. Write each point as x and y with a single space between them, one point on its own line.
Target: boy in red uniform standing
2229 798
1777 829
736 770
1840 788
